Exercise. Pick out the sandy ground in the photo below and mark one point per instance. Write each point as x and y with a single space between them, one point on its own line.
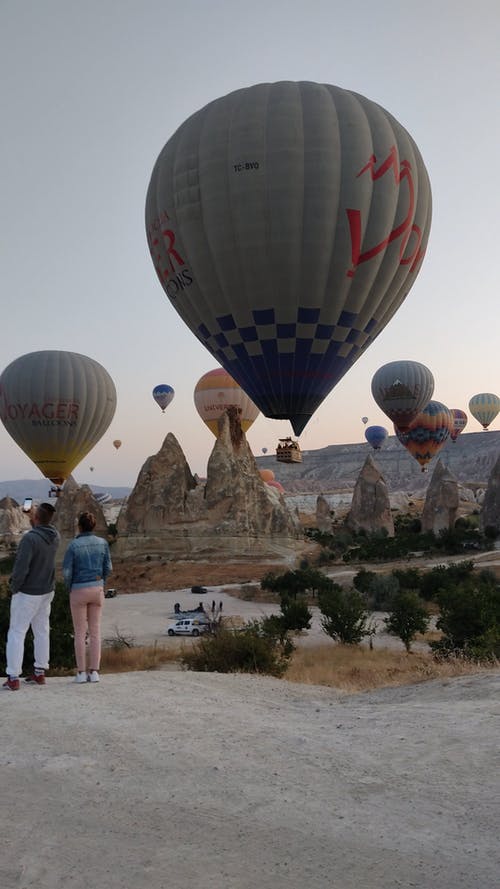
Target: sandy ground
178 780
181 780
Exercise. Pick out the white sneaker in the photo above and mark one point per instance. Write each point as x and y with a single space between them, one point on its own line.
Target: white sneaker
94 676
81 677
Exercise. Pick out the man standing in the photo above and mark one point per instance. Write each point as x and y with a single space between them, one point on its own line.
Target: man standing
32 588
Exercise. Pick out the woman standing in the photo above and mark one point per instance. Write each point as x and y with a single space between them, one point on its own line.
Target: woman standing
86 566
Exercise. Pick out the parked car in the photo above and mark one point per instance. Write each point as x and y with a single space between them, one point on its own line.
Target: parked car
199 590
110 594
190 626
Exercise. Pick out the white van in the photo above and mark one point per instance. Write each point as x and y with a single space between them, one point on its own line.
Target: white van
189 626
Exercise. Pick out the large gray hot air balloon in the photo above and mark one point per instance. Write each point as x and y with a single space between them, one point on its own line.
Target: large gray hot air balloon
56 406
287 223
402 389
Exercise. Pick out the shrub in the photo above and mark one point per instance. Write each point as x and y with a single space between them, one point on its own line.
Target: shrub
62 655
254 649
470 619
344 614
407 617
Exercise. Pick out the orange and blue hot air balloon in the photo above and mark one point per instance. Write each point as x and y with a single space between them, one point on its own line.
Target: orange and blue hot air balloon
427 433
375 436
459 422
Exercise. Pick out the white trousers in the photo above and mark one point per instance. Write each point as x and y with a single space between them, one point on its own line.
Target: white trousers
26 611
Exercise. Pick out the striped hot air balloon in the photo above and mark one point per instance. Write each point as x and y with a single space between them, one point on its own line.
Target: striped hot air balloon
215 392
484 407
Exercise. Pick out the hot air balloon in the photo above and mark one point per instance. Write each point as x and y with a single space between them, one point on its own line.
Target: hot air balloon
56 406
117 443
427 433
264 450
275 484
484 408
91 468
401 390
375 436
287 223
163 395
214 392
364 420
459 422
267 475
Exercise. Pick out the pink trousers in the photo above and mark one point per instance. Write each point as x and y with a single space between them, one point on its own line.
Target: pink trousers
86 610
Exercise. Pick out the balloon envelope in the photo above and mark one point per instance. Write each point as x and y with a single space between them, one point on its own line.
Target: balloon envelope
56 406
484 407
428 432
267 475
163 395
402 389
287 223
117 443
364 420
459 422
214 392
375 436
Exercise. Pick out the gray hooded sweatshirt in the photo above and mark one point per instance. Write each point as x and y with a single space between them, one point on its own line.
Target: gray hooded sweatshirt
34 567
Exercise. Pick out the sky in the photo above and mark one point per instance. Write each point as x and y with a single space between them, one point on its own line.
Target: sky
90 92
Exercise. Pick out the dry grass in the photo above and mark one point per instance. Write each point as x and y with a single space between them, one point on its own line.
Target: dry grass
146 657
354 669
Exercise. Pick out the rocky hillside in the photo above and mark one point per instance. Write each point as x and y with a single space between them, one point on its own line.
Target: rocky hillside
336 467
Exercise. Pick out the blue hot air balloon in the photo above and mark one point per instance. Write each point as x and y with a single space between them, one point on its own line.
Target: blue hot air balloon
375 436
287 223
163 395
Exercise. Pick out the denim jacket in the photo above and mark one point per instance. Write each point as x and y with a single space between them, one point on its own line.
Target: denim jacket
86 562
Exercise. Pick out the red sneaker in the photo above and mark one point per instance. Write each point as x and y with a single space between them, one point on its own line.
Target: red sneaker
35 678
12 684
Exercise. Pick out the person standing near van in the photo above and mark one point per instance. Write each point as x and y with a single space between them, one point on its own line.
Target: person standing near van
32 589
86 567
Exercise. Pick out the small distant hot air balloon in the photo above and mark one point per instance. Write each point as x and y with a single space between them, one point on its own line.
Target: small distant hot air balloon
91 468
459 422
215 392
364 420
401 390
287 223
427 433
117 443
484 408
56 406
375 436
163 395
264 450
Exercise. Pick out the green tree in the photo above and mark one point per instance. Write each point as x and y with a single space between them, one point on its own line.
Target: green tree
407 617
344 614
470 618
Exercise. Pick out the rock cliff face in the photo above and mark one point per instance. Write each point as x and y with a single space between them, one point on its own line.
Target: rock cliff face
233 513
490 513
441 501
370 508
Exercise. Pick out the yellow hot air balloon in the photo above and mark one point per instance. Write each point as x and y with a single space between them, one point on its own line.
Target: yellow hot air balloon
484 407
117 443
214 392
267 475
56 406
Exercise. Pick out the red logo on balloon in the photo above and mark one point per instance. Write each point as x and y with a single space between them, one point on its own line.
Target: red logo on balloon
404 230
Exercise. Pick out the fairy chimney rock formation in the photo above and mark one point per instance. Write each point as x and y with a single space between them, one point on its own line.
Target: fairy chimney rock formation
71 502
441 501
232 512
490 512
13 521
323 515
370 508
